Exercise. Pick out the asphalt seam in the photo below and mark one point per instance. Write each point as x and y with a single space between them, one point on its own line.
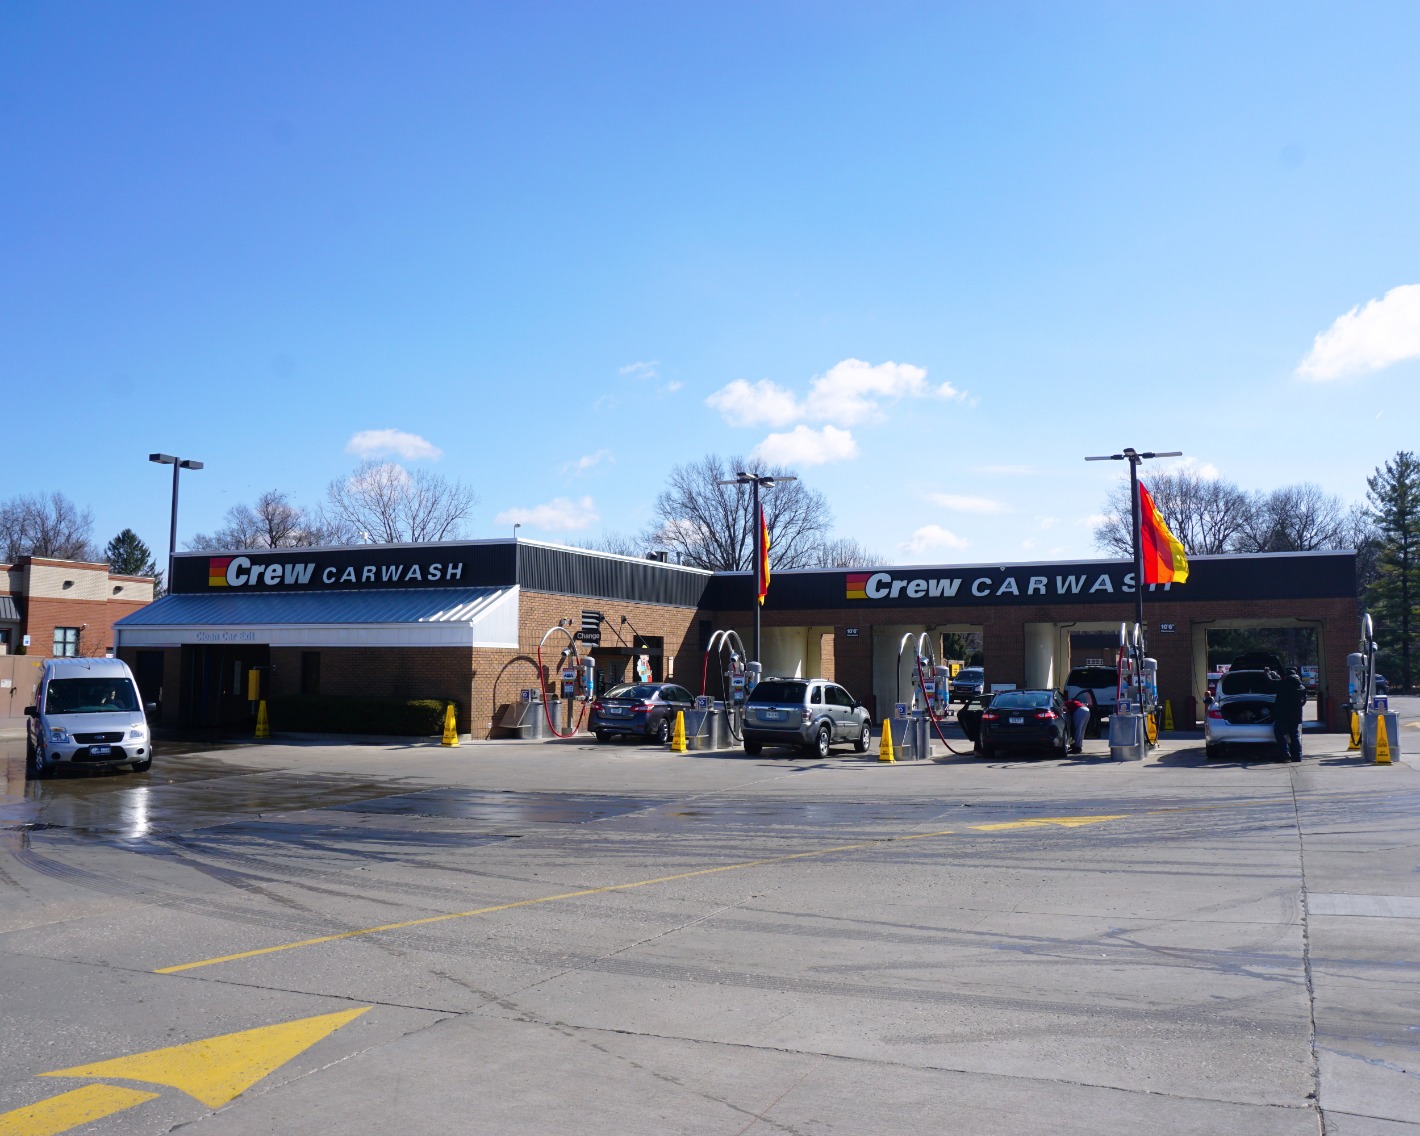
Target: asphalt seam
1307 962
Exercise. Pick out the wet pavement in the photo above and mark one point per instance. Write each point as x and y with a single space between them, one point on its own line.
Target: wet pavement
604 938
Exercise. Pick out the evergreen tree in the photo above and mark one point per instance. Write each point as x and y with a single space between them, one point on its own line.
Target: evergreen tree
1394 495
127 555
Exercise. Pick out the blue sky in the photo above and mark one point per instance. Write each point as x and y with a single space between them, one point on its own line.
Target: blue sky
548 241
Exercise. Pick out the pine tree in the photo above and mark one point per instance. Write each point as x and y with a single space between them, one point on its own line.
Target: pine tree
1394 495
127 555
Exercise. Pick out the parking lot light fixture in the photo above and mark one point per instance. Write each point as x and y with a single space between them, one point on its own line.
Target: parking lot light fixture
756 481
178 465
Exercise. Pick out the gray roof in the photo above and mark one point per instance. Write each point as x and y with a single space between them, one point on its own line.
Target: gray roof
414 605
8 610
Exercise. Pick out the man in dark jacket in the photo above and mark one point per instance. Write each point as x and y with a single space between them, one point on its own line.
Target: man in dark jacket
1287 713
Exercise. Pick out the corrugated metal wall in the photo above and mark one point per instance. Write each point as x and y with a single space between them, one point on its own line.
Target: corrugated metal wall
604 577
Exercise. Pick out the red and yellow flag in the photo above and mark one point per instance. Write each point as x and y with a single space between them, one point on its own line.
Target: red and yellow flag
762 568
1164 558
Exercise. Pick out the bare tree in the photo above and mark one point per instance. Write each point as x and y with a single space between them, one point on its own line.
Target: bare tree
45 525
709 525
619 543
845 552
1207 515
1294 518
386 504
273 522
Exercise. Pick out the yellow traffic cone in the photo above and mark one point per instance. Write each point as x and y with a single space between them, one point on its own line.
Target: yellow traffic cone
451 726
1168 715
1355 743
678 737
263 727
1382 742
885 746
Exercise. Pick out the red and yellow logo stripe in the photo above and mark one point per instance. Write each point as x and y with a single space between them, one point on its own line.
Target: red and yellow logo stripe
217 571
858 585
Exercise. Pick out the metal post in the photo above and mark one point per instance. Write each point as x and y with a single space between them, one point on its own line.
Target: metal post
758 561
1138 550
172 529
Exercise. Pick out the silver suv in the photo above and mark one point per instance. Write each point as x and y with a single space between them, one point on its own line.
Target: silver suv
808 713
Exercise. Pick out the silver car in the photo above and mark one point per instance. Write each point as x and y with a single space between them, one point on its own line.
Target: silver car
1240 713
807 713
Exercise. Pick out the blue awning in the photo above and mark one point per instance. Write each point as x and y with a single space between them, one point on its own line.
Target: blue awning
412 617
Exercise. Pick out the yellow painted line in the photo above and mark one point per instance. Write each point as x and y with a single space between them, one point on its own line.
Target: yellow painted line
1037 822
217 1070
543 899
70 1110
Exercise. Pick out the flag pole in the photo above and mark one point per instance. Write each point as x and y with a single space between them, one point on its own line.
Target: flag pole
1138 557
758 566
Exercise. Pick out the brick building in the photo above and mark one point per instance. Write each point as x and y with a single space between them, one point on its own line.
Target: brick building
66 607
463 620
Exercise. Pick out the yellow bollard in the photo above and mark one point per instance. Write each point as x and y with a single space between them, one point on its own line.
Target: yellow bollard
1151 728
678 737
263 727
885 746
1168 715
1355 732
1382 742
451 726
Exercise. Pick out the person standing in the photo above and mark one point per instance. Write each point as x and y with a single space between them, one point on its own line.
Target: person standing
1081 710
1287 707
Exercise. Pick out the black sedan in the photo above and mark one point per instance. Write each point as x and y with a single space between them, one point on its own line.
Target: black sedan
1024 719
639 709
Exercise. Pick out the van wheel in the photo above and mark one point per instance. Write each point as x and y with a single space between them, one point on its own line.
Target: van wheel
865 736
144 765
39 768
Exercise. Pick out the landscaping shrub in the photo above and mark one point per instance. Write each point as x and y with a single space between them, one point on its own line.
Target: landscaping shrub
339 714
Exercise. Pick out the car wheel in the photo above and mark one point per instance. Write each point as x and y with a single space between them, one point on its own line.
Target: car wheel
603 736
865 737
663 731
1212 750
40 768
1062 748
820 745
754 749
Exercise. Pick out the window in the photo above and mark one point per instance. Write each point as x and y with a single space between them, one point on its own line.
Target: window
816 698
66 642
839 697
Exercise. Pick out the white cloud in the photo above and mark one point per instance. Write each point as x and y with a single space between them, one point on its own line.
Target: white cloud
929 538
649 369
805 446
1094 520
369 444
561 514
959 504
673 386
1048 523
848 393
1368 338
1206 470
587 462
754 404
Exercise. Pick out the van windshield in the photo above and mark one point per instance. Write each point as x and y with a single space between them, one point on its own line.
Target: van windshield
90 696
772 690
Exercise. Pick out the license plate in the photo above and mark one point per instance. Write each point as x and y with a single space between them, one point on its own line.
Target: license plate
771 715
616 709
1018 721
100 751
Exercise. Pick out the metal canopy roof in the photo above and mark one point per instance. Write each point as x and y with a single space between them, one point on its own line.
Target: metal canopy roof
438 605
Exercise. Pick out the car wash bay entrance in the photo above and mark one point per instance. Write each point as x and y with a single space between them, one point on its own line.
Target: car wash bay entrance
214 682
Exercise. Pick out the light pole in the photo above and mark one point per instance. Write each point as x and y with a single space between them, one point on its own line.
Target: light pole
177 464
755 481
1134 457
516 527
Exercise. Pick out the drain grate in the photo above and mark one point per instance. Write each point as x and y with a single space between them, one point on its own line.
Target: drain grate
32 826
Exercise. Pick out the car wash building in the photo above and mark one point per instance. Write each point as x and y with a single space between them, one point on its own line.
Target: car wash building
462 621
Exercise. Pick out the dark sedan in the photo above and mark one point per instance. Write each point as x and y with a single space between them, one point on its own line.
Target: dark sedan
1024 719
639 709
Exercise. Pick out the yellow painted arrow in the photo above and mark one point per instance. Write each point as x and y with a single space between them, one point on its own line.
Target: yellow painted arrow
70 1110
1035 822
216 1070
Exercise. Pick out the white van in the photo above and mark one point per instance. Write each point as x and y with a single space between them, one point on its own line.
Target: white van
88 713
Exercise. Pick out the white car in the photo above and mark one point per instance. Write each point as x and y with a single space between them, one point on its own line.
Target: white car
88 713
1240 713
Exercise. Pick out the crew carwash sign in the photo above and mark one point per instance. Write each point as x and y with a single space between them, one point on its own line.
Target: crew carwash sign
338 569
999 585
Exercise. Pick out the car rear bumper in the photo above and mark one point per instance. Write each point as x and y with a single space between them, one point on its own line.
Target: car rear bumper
1022 736
790 735
635 727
